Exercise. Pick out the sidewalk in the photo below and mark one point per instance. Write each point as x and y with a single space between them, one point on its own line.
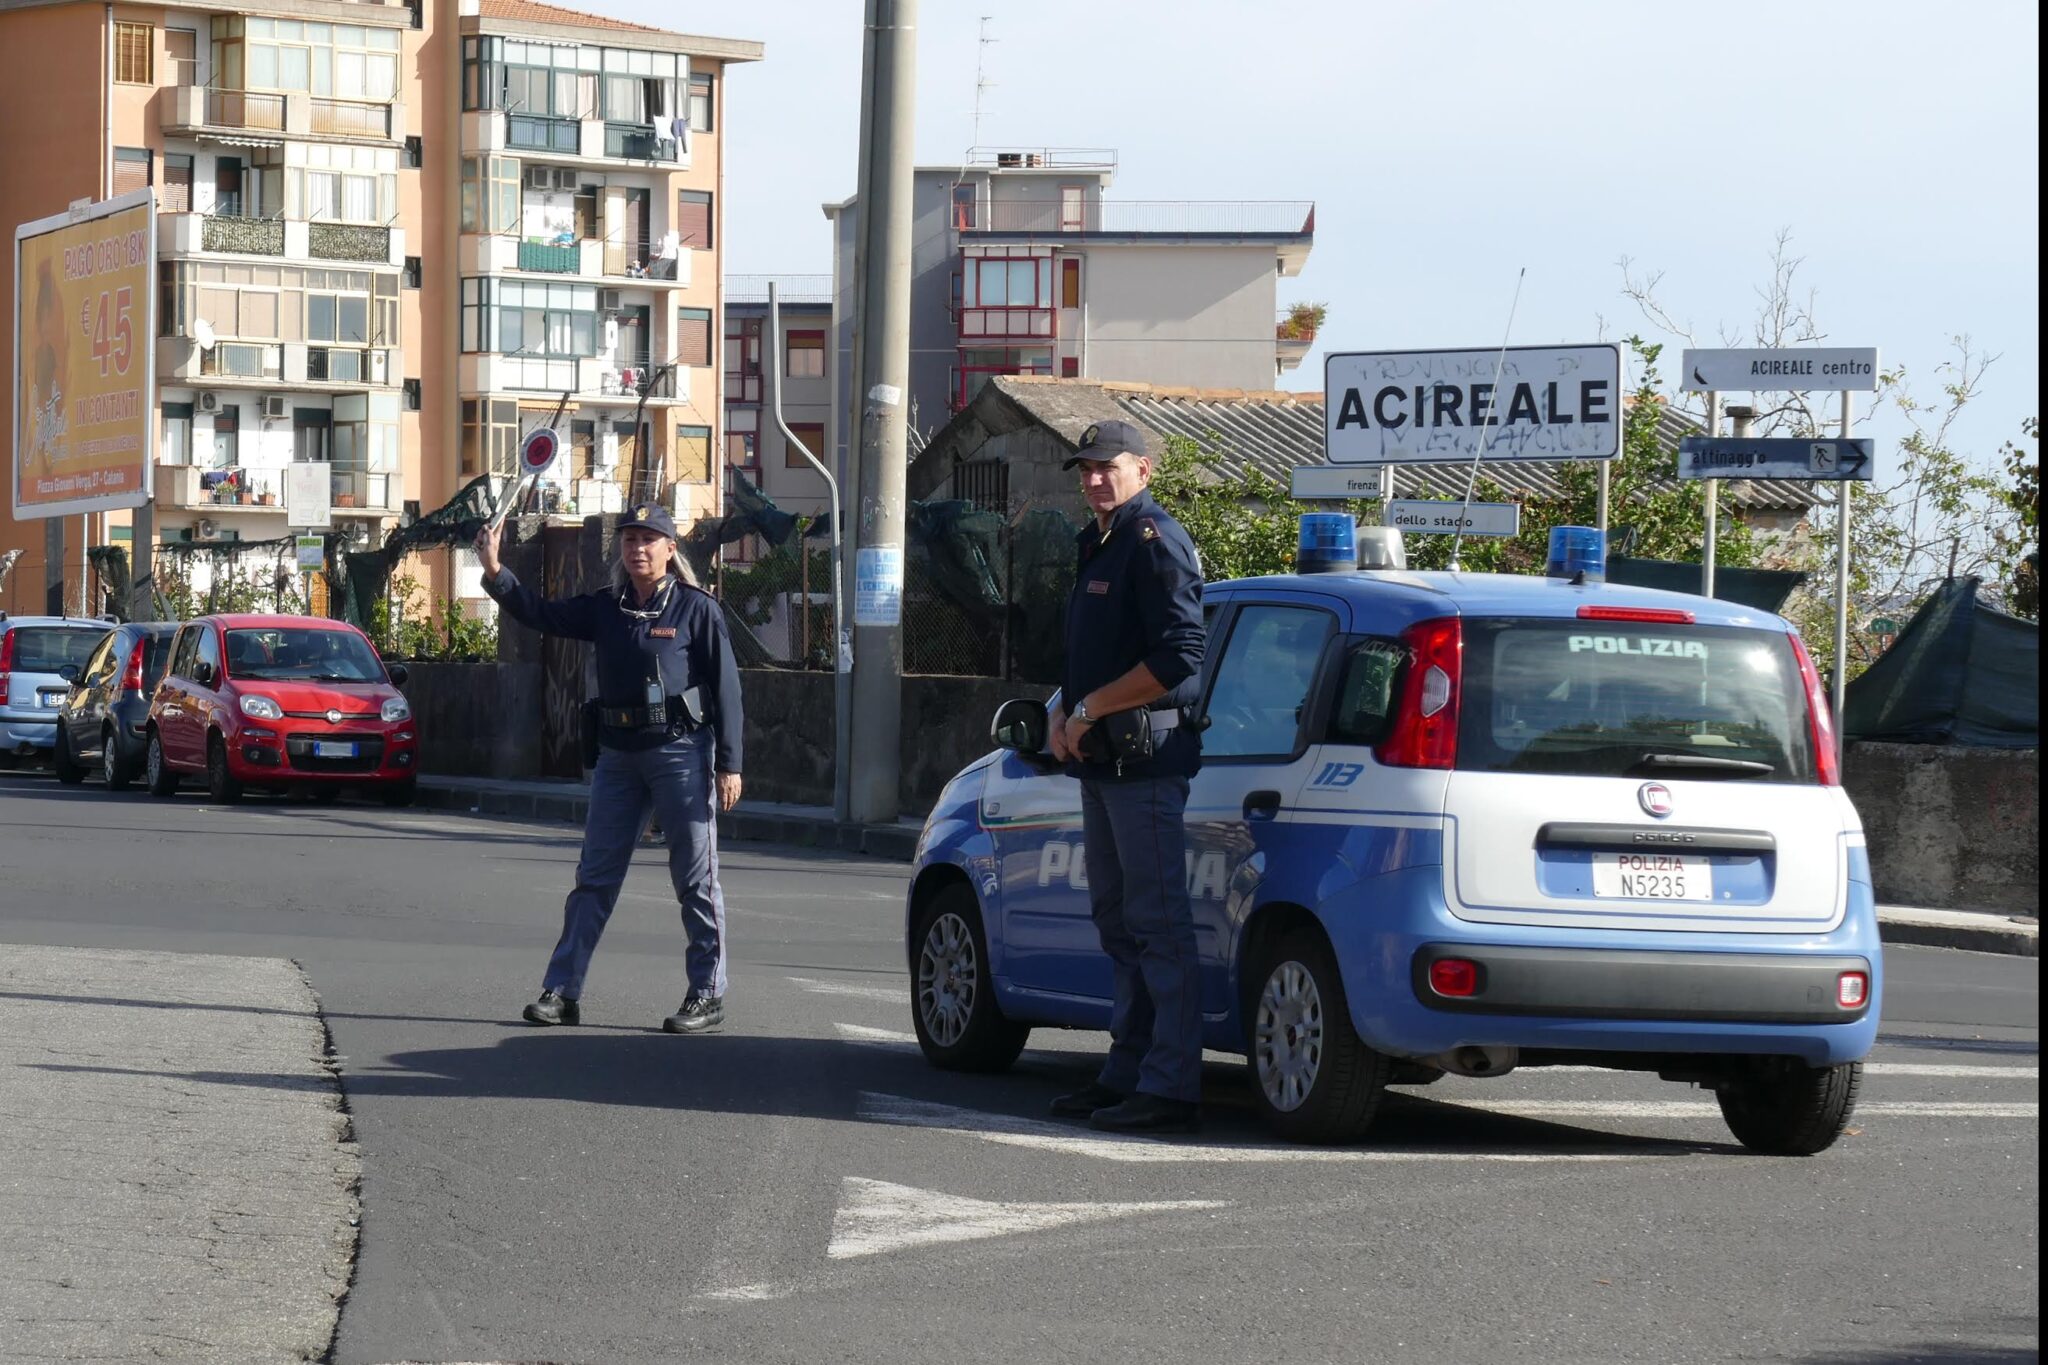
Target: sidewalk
177 1178
814 827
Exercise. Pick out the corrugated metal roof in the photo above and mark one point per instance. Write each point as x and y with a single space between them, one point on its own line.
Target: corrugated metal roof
1273 432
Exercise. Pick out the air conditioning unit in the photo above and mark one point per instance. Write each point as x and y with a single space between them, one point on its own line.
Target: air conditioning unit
607 300
207 528
540 177
565 179
274 405
209 401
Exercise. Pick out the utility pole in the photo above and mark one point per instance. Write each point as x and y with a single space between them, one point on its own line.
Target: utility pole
1712 496
881 381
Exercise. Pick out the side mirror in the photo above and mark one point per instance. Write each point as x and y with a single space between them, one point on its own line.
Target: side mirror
203 674
1019 724
69 673
398 674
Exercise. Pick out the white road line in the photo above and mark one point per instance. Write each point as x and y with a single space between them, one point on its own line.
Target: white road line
1020 1132
875 1216
1693 1109
892 995
1982 1073
883 1037
751 1293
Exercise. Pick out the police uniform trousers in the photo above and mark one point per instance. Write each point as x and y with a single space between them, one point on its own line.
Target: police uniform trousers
673 782
1135 845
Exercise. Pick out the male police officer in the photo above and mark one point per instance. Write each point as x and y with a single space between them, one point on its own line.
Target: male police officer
1134 653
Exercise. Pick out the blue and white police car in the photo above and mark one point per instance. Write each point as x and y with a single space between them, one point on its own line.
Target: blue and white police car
1455 823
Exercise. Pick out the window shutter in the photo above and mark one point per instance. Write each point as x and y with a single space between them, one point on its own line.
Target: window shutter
131 170
177 195
693 337
693 219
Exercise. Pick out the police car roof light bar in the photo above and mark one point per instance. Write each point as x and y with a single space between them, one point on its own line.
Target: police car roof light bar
1328 543
1486 426
1578 553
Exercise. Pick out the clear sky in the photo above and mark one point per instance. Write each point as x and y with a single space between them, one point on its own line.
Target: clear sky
1448 145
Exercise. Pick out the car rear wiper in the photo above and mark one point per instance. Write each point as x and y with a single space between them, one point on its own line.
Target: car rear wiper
1706 765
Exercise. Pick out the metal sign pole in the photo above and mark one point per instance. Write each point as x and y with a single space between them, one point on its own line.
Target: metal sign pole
1712 493
1841 679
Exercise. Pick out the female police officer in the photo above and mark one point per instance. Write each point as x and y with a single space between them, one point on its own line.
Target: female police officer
668 719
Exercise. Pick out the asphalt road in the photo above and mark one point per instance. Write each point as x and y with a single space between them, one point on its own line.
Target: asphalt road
803 1188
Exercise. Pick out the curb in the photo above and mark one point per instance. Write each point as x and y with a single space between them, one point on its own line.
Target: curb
897 843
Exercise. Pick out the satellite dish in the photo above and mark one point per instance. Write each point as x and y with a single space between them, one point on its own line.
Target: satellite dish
202 332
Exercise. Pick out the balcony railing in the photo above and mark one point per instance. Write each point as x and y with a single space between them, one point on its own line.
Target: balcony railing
536 133
245 109
1223 218
348 242
637 142
350 118
558 260
243 360
788 288
361 488
1018 158
248 236
628 380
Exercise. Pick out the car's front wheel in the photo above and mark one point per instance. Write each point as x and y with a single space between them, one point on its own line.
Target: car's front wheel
954 1005
221 786
162 781
66 763
1313 1078
1782 1107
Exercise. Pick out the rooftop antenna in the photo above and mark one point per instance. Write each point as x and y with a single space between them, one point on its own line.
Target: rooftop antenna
1486 427
981 81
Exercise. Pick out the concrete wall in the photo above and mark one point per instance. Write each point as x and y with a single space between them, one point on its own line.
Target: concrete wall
1950 828
478 720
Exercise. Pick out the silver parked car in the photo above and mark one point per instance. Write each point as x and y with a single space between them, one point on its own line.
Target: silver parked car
39 658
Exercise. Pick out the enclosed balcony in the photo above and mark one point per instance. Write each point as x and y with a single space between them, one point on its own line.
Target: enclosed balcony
211 113
1289 225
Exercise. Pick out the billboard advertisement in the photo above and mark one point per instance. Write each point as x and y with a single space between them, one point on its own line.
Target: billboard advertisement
84 358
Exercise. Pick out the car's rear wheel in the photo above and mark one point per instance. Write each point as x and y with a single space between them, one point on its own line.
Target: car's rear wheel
400 793
1313 1078
221 786
64 761
954 1005
162 781
113 771
1782 1107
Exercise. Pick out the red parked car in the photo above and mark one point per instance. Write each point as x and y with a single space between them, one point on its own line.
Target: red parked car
280 701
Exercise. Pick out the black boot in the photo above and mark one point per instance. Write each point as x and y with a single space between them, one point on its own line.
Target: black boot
552 1008
1143 1113
1086 1101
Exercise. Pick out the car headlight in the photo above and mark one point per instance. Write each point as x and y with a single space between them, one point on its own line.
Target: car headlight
396 709
262 708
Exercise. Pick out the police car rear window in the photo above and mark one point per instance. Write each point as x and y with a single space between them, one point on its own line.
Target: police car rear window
1627 699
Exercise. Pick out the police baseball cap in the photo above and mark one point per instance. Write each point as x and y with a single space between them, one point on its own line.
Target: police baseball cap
648 516
1106 441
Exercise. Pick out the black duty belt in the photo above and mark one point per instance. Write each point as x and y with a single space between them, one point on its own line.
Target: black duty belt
633 717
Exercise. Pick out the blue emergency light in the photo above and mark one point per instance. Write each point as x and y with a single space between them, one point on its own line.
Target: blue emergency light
1576 551
1329 543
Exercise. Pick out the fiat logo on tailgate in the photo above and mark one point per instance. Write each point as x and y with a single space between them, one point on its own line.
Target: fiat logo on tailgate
1656 798
334 718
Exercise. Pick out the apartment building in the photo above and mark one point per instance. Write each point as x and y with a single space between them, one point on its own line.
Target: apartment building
1023 263
392 237
756 368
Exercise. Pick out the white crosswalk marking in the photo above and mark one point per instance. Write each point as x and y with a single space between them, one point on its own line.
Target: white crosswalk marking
885 1037
1692 1109
1975 1073
890 994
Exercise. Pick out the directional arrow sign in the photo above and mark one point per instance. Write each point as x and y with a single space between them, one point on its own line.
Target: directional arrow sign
875 1216
1793 369
1774 457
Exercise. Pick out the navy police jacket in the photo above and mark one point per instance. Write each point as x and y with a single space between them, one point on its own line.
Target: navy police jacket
1137 599
678 640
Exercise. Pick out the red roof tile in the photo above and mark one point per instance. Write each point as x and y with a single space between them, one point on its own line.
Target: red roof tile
533 12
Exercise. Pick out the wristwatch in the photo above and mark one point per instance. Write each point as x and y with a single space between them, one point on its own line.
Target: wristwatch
1080 712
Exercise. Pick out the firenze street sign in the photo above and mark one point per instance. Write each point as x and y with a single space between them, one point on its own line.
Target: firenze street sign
1323 483
1797 369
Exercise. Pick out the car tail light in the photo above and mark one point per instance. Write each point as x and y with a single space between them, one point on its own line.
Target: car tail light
1454 976
1669 616
1852 990
1820 721
131 680
1425 729
6 663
